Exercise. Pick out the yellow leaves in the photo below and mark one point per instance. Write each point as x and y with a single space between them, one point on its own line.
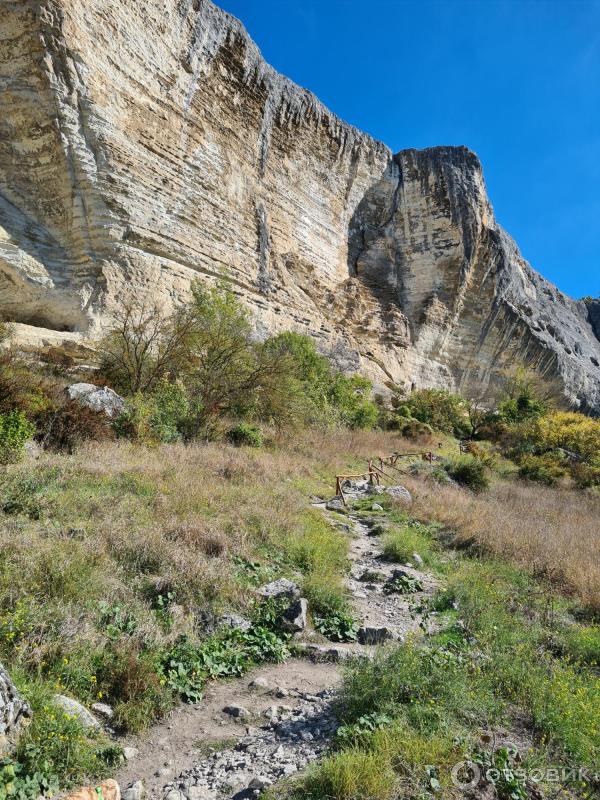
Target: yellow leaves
572 431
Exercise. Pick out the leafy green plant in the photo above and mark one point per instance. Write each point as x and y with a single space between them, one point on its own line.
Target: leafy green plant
337 626
468 471
498 767
360 730
187 666
15 431
245 434
116 621
403 584
16 783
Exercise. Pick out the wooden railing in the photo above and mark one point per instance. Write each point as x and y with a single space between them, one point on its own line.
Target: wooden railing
374 473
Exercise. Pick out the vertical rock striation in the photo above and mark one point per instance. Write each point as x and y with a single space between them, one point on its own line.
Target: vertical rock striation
143 145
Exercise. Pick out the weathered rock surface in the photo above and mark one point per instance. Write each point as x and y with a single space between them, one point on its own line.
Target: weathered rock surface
74 709
145 144
98 399
14 712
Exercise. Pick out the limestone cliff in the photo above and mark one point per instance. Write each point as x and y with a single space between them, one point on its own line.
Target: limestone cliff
143 144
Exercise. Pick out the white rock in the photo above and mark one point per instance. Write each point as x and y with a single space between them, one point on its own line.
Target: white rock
98 399
103 710
75 709
279 589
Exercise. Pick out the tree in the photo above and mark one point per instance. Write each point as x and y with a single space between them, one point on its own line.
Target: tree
229 372
145 345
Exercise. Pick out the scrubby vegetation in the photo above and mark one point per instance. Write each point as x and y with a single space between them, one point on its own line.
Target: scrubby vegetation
124 540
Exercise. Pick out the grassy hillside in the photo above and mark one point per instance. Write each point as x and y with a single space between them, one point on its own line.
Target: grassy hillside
111 554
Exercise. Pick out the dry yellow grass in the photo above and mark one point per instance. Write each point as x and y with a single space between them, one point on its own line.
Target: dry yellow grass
552 532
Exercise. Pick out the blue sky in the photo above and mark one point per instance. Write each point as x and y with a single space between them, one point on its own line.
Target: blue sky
518 82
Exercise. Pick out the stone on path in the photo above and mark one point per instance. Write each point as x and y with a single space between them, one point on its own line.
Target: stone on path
373 635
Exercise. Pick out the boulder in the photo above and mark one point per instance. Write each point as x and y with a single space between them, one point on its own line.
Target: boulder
15 712
75 709
231 620
280 588
335 504
102 399
372 635
399 493
294 619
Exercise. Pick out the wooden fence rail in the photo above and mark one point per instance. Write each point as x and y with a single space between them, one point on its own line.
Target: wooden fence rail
374 473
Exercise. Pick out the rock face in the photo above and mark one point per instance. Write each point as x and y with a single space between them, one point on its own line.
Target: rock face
14 713
145 144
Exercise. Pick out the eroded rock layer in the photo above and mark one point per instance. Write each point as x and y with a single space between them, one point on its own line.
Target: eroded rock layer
143 144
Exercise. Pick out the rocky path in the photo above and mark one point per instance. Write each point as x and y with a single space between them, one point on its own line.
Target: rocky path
251 732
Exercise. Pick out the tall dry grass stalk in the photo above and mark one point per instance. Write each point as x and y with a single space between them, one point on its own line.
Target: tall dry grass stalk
552 532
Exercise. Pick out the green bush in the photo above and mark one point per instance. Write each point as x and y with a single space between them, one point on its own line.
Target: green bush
245 434
468 471
542 469
413 428
438 408
157 417
585 475
15 431
316 393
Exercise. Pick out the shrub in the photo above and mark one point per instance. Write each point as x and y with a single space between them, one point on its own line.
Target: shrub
15 430
542 469
522 399
414 429
245 434
468 471
159 416
438 408
585 476
64 424
317 393
572 432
